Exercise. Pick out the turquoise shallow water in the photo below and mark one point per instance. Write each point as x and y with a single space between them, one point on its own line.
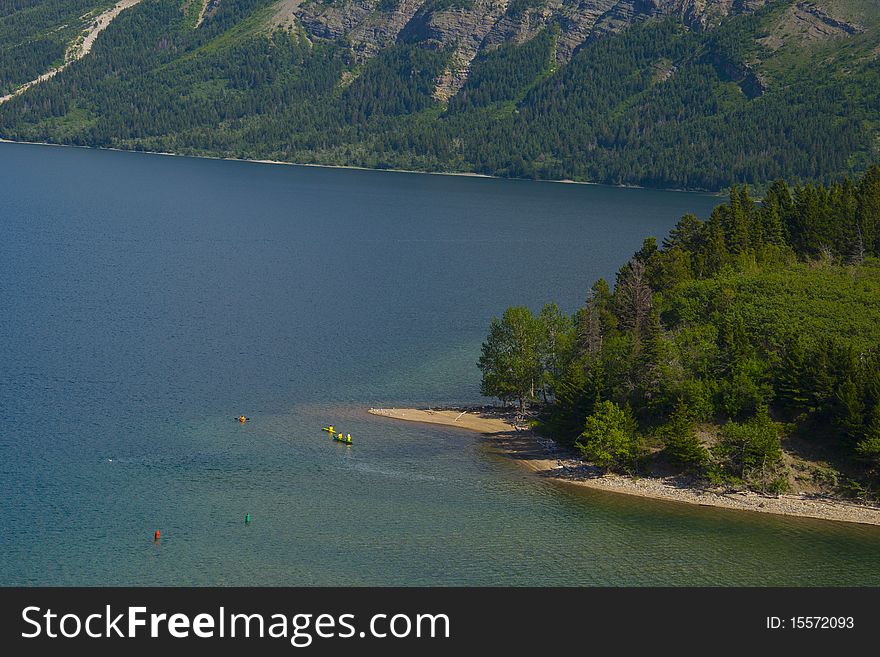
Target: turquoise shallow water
147 300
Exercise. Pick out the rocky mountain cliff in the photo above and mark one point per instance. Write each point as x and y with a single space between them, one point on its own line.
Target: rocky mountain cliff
473 26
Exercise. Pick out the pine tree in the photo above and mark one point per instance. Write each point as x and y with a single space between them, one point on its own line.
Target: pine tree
736 223
649 359
851 416
820 377
771 223
589 329
715 255
753 219
681 444
633 298
686 234
869 446
733 341
779 197
573 403
792 374
602 299
844 230
868 210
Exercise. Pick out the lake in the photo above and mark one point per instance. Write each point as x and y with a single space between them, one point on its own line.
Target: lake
148 300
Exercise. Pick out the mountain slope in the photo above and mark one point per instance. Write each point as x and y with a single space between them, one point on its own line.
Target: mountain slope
675 93
34 35
91 24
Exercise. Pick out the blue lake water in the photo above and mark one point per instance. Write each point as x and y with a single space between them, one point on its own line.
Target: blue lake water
148 300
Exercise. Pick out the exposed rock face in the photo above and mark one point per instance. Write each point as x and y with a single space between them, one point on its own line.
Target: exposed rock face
284 17
367 25
471 26
465 30
454 77
370 25
705 13
744 74
805 21
822 23
577 20
209 8
697 14
518 27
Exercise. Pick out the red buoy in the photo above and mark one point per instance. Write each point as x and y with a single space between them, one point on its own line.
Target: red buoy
156 536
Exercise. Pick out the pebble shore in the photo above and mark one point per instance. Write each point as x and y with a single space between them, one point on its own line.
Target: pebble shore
544 457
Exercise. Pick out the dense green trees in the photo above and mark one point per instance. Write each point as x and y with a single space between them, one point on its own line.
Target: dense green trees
763 313
869 444
657 105
511 360
681 443
524 356
505 74
35 33
752 450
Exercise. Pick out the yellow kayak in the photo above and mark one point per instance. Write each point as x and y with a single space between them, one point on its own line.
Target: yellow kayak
346 440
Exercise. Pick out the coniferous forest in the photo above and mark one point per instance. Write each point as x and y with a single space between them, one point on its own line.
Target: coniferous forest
742 350
659 104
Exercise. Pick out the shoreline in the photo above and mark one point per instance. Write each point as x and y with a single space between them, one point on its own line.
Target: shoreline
351 167
546 460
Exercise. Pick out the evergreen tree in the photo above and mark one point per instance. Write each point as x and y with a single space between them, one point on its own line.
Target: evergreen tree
733 341
632 296
578 391
715 255
648 360
771 222
589 329
735 221
602 300
868 210
869 446
722 340
792 374
753 220
681 444
609 439
686 234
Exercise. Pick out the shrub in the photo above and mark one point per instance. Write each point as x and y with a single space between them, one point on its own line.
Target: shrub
752 449
609 439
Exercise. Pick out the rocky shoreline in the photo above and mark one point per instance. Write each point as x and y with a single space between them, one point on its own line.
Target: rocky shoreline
547 459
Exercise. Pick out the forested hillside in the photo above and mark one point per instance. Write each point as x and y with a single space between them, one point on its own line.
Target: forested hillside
34 35
744 350
667 93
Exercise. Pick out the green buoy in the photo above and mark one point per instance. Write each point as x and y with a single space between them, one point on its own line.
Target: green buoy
247 518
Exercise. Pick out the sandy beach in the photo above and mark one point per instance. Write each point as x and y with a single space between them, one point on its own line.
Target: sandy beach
542 456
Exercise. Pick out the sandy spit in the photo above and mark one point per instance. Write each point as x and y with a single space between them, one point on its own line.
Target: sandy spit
542 456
